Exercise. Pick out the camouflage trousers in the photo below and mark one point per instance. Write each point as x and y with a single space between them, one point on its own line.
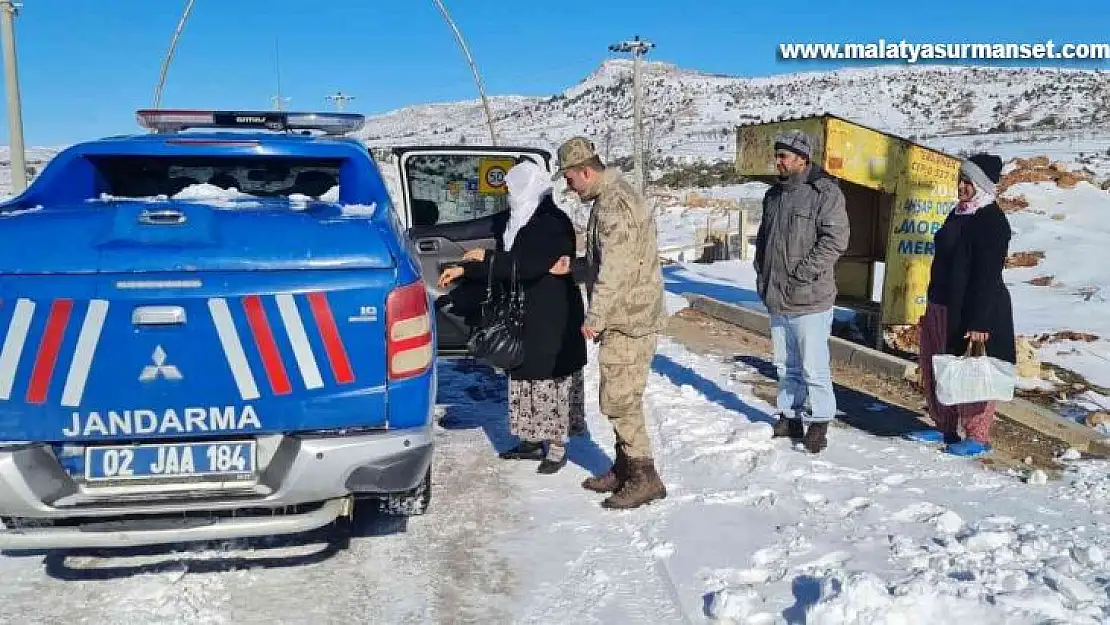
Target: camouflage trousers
624 362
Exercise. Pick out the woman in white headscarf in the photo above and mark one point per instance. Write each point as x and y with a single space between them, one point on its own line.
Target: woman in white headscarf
545 393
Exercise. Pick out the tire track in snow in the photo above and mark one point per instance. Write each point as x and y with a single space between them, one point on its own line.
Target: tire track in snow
440 568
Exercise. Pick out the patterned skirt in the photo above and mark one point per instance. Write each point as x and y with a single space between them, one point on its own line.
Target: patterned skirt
547 410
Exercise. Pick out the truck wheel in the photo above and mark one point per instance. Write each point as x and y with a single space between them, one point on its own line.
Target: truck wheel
413 502
341 531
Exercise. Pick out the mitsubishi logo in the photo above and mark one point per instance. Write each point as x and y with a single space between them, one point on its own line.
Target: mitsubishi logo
159 368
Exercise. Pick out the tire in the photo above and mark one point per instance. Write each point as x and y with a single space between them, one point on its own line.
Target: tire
409 503
341 531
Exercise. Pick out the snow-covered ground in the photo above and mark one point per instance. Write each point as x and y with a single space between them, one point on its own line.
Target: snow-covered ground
1071 147
1071 228
678 221
36 157
874 530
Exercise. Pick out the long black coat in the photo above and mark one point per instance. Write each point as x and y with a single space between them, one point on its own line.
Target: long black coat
553 309
966 277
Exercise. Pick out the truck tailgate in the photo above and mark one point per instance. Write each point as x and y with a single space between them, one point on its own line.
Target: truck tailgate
130 356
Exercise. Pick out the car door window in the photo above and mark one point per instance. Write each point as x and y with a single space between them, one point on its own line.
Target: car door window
450 189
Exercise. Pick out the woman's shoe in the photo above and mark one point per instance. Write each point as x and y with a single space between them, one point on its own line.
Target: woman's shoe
548 466
969 447
526 450
555 459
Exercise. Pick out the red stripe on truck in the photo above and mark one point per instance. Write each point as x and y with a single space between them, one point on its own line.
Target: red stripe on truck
49 347
329 332
267 347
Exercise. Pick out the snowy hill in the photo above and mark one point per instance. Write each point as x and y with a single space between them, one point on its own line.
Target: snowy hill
689 113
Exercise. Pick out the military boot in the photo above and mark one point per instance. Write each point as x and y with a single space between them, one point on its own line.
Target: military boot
642 486
610 481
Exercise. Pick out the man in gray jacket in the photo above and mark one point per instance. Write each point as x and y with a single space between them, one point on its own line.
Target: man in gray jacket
803 233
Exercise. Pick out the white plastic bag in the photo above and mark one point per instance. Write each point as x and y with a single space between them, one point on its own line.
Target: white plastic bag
970 379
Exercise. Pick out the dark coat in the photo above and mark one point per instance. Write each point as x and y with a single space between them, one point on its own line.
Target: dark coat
553 308
966 277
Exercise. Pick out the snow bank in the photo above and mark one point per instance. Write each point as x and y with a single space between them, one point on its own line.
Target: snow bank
1071 227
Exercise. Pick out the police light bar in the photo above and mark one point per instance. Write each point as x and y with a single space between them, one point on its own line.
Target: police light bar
169 121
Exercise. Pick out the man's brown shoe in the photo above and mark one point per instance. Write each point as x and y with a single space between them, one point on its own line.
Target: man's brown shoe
788 428
816 438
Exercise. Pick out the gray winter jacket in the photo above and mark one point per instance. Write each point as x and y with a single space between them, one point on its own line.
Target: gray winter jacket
804 231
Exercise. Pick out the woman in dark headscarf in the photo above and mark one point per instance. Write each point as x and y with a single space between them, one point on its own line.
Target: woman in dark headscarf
967 302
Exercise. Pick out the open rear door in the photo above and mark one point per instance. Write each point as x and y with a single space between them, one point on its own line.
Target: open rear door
454 199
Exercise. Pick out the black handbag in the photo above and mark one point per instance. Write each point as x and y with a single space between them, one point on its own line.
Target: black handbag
499 339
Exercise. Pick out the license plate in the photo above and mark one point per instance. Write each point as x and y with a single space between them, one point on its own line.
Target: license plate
224 459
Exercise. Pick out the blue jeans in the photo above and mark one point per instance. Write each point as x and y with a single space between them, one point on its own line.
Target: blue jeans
801 345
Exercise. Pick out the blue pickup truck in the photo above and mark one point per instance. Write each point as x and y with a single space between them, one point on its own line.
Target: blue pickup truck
225 328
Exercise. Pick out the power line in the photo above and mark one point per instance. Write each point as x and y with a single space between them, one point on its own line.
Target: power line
170 51
473 68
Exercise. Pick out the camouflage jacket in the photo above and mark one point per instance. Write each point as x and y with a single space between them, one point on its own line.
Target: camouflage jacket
625 282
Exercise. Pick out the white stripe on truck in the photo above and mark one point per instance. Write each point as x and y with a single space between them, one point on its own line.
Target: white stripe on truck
83 354
233 348
13 345
302 349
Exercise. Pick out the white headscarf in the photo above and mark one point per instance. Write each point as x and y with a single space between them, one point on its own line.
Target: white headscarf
527 184
984 188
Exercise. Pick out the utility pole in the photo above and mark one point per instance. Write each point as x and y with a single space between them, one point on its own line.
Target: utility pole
278 100
638 47
15 107
473 68
339 100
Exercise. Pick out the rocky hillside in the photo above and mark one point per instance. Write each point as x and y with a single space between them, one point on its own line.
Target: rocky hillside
690 113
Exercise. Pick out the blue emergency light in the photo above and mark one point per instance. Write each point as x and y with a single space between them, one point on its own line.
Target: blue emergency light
165 121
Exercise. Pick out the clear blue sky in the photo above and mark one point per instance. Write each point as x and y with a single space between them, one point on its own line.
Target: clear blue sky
86 65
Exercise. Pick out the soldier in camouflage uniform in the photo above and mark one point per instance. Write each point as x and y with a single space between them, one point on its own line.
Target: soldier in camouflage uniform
626 312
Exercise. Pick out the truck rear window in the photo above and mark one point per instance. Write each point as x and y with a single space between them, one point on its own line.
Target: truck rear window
274 177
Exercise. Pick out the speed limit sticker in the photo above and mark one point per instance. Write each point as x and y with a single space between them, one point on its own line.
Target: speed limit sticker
495 176
491 175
